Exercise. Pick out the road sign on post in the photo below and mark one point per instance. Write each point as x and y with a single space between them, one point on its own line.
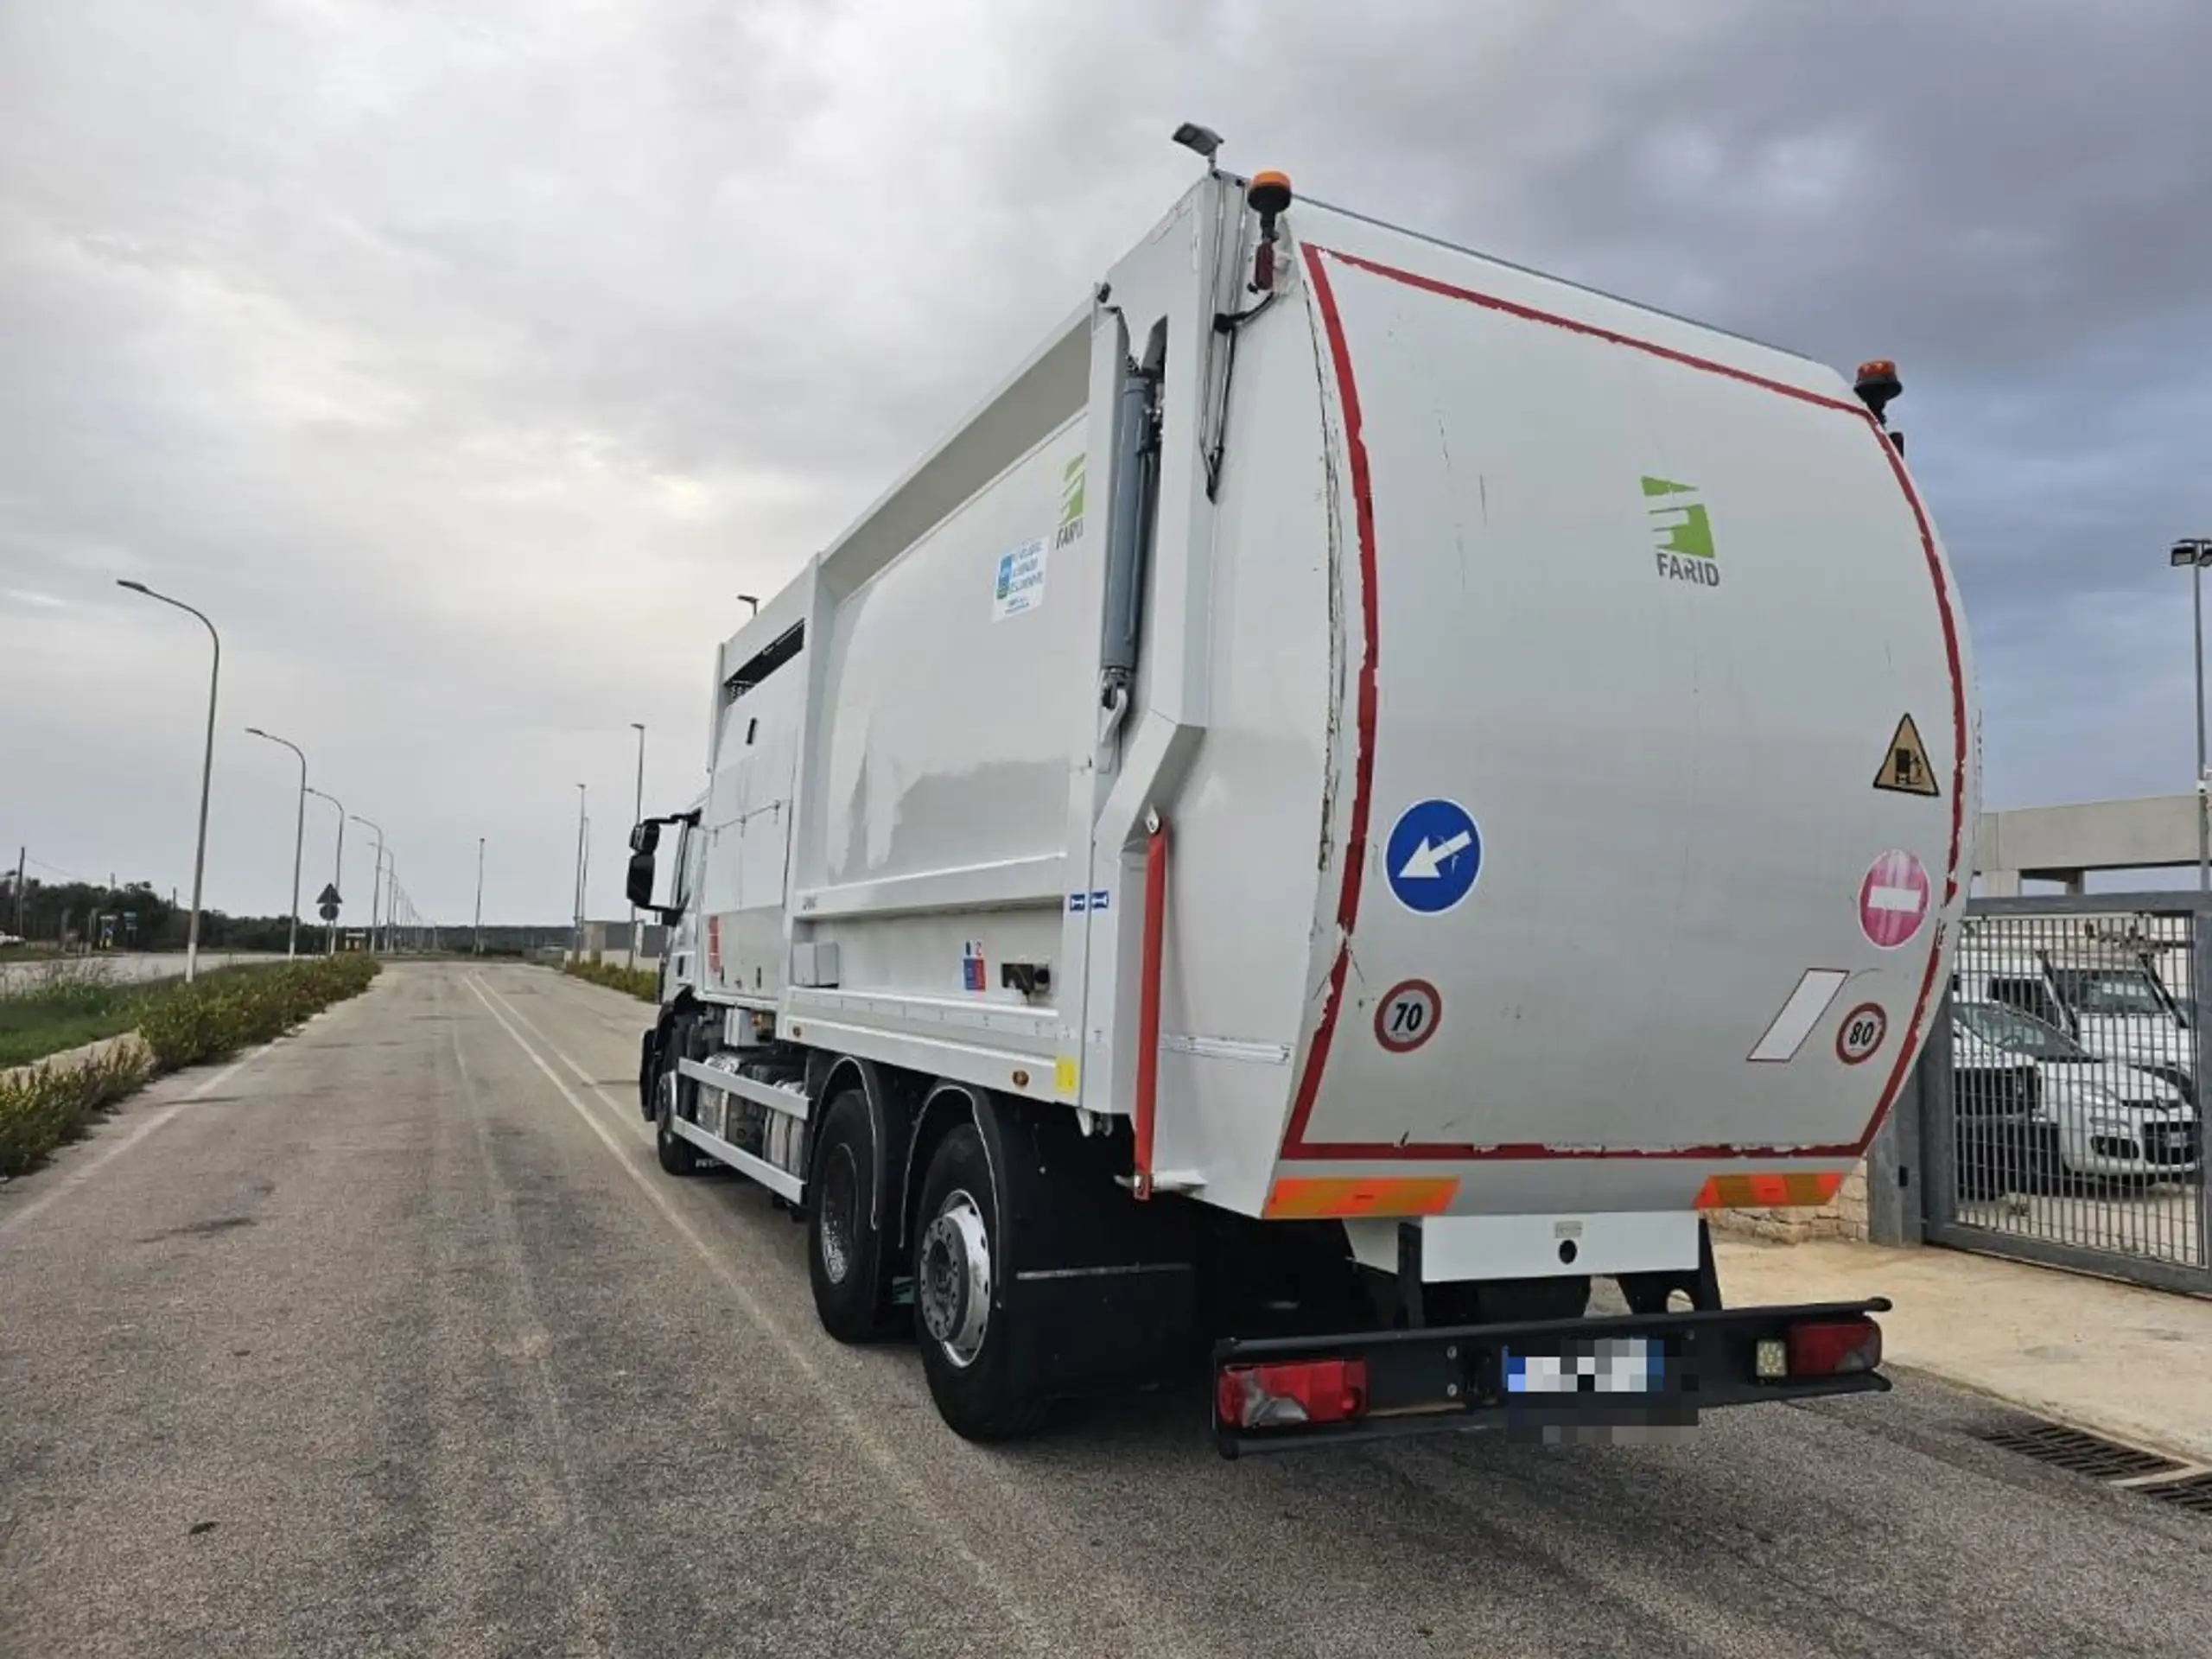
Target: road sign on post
328 911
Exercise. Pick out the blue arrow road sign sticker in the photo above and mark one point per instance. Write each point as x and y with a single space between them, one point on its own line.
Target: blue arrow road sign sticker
1434 856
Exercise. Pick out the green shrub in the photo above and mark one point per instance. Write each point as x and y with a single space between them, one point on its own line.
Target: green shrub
44 1105
179 1025
641 982
207 1020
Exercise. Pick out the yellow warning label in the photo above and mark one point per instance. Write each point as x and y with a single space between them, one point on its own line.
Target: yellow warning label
1064 1075
1904 765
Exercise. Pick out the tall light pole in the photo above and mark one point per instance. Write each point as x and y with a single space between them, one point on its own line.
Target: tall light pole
638 818
2196 553
299 834
337 865
576 943
207 772
476 946
376 880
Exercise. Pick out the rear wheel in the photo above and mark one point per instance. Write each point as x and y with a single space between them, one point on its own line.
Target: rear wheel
844 1254
970 1347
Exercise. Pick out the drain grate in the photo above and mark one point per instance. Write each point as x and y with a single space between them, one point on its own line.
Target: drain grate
2193 1493
2086 1454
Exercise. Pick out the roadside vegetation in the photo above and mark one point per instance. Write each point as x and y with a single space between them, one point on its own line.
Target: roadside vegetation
169 1024
640 983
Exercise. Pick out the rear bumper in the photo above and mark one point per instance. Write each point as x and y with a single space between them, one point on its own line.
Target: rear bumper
1452 1380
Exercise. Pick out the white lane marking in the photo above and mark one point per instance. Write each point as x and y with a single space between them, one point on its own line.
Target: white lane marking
1815 990
76 1178
1909 900
872 1447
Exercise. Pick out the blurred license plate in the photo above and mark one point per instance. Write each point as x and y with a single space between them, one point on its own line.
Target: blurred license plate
1606 1366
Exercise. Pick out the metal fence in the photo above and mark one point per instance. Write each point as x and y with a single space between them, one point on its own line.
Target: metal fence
2070 1132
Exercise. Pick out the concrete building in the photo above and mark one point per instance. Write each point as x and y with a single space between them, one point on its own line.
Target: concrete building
2064 843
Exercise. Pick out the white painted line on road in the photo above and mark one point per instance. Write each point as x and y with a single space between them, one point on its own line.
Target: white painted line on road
78 1177
849 1418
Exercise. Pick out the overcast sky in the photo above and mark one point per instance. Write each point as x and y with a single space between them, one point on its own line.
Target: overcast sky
465 361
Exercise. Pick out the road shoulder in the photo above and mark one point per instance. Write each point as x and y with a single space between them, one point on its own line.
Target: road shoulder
2116 1359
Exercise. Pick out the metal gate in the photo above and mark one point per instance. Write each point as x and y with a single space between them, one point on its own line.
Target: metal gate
2070 1132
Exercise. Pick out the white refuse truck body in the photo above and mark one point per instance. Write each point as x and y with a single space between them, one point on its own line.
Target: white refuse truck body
1355 747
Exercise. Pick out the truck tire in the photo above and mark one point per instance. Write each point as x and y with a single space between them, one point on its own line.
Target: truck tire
971 1351
677 1156
648 1071
844 1246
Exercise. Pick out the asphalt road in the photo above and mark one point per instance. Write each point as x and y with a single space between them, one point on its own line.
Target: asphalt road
393 1338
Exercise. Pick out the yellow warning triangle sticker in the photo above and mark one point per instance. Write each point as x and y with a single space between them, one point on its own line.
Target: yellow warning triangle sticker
1904 766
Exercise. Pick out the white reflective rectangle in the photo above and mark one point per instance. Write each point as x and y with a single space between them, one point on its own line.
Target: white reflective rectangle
1815 990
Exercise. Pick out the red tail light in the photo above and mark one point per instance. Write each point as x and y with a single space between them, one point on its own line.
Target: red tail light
1834 1347
1275 1396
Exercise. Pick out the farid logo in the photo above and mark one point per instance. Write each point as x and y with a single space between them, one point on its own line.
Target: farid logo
1681 533
1070 525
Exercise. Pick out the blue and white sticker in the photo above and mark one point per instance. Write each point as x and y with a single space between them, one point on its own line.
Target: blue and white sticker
1434 856
1019 584
1096 900
1076 904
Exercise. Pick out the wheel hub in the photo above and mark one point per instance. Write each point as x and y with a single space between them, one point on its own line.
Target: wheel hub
666 1113
955 1280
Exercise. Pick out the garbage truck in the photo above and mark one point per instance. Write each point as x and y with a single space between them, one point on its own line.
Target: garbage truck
1361 791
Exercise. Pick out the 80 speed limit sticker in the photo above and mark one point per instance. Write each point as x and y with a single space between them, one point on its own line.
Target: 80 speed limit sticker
1408 1016
1860 1034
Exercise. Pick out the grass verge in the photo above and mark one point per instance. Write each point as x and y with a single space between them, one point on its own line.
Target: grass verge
640 983
69 1004
177 1025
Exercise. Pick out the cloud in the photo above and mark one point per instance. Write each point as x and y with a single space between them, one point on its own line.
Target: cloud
466 366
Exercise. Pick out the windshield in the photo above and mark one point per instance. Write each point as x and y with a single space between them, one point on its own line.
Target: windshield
2110 990
2016 1032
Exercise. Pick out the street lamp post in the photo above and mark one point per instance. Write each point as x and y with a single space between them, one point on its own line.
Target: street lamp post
207 772
2196 553
476 943
299 834
376 880
576 942
638 818
337 865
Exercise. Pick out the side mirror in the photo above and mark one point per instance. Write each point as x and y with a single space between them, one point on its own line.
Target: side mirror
639 887
646 837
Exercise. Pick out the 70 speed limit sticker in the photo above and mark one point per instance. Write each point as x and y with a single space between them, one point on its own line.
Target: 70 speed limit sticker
1860 1034
1408 1016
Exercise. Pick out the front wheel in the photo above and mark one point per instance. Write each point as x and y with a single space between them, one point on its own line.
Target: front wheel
970 1346
677 1156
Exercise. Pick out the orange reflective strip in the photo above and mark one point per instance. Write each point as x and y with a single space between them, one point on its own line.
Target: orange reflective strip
1312 1197
1770 1190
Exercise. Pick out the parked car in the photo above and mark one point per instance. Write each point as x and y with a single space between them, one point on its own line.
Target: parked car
2034 1106
2116 1009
